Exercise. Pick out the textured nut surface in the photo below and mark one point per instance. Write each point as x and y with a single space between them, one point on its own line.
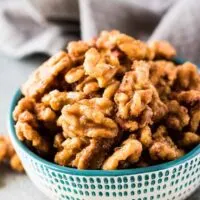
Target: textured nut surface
44 76
130 149
88 118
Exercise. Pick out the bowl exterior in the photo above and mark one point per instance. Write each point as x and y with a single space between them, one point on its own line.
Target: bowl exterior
174 183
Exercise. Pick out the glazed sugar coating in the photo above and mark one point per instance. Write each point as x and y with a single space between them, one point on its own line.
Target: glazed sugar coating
56 99
100 66
178 116
162 75
113 102
163 49
45 75
189 139
130 149
165 149
137 99
88 118
25 132
188 77
8 154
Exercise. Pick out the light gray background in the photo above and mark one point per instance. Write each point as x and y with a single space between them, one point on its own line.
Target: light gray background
12 74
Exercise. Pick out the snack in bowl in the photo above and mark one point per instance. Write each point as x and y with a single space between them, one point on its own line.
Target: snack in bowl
111 103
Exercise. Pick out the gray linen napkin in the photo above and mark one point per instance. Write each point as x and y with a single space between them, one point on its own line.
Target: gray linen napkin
45 26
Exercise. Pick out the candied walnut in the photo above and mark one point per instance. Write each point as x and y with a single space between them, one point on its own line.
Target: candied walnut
146 137
16 164
138 102
190 97
8 154
133 95
107 40
58 140
162 76
88 85
77 49
195 118
87 158
111 89
56 99
146 117
165 149
28 117
187 77
134 49
44 76
24 104
130 150
189 139
161 132
45 113
6 149
101 66
177 117
27 133
71 146
74 74
159 108
88 118
162 49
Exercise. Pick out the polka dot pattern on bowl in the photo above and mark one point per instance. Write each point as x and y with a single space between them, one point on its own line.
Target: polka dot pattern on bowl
174 183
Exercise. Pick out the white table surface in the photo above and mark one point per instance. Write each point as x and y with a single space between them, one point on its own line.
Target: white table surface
12 73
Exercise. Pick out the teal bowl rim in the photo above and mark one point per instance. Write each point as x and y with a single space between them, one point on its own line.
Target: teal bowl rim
72 171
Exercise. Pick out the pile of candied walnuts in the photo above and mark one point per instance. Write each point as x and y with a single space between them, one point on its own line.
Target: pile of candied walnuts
8 154
113 102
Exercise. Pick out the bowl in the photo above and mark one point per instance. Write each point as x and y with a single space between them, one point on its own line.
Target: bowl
172 180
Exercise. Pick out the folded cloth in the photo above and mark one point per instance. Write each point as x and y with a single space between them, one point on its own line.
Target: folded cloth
35 26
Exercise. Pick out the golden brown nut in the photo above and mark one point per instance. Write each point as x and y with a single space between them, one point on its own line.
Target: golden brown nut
130 150
76 50
56 99
146 137
44 76
190 97
58 140
162 76
24 104
178 116
88 86
159 108
165 149
187 77
16 164
87 158
71 146
27 133
138 102
127 98
29 118
44 113
8 154
195 118
100 66
161 132
74 74
162 49
134 49
111 89
88 118
189 139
